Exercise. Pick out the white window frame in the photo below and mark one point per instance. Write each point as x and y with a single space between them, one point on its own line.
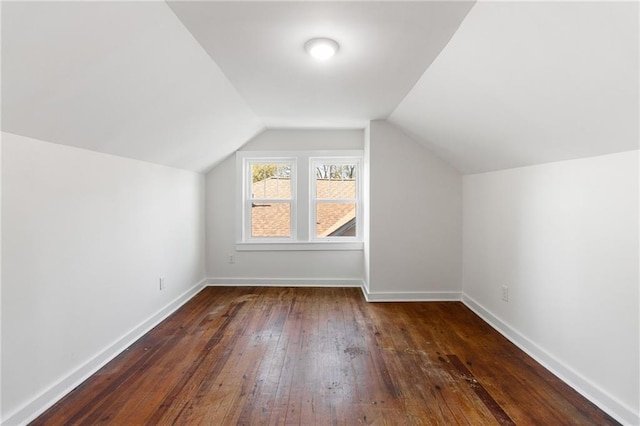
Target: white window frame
248 199
314 201
302 235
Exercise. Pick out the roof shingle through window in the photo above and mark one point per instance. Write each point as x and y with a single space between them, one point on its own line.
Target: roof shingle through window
272 219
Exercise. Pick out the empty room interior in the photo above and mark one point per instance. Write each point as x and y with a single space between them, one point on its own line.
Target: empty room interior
307 212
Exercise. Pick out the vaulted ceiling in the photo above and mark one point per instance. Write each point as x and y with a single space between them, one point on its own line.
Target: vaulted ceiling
525 83
485 86
384 49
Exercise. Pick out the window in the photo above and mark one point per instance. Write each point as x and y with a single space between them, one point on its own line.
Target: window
270 199
334 198
299 201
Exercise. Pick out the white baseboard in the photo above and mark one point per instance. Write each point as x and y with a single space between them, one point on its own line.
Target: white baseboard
284 282
595 394
424 296
46 399
416 296
616 409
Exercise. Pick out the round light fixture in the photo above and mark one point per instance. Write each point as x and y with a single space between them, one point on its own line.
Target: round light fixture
321 48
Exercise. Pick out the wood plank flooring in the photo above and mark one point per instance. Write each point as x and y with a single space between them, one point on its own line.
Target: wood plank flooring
304 356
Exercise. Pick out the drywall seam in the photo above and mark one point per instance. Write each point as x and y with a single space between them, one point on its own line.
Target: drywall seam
605 401
57 391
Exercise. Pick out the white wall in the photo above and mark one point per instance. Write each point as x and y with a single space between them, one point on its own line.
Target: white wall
0 275
290 267
415 241
86 238
564 238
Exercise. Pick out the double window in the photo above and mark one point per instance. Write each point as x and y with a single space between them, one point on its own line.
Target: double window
299 200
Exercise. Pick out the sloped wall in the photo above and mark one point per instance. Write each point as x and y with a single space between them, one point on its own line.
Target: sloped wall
563 237
86 237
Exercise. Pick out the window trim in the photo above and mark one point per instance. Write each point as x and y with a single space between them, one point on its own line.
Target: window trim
301 186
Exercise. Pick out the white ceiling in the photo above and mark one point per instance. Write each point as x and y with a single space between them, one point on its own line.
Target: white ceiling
122 78
525 83
185 84
384 49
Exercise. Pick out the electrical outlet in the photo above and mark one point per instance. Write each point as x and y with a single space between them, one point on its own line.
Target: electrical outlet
232 259
161 283
505 293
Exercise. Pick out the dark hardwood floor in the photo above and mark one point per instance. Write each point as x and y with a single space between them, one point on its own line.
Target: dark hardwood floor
307 356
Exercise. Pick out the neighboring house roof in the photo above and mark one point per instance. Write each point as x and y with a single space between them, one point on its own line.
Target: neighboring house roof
272 219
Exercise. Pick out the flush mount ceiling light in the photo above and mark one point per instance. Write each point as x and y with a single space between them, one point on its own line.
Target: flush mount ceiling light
321 48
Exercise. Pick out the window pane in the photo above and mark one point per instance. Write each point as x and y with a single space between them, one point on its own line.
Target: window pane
336 220
270 219
271 181
335 181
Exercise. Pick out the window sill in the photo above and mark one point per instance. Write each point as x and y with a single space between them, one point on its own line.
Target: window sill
300 246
